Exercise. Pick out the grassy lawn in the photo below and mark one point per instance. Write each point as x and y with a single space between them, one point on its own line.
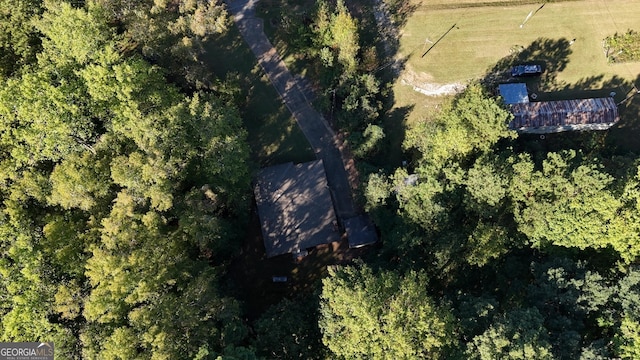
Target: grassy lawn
487 32
274 135
483 35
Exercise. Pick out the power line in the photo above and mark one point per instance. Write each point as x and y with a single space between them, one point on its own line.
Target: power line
437 41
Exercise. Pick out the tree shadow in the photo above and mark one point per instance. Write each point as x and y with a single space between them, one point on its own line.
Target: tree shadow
273 134
551 54
391 16
620 139
395 124
623 137
401 11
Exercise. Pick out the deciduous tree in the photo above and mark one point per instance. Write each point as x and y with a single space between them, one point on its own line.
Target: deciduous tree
289 330
19 41
384 316
472 122
520 334
571 204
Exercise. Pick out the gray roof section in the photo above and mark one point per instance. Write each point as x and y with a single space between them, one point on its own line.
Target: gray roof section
360 231
295 207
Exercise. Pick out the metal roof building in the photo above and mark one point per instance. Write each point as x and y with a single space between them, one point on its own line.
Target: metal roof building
565 115
360 231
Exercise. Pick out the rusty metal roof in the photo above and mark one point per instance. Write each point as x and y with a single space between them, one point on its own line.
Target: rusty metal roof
565 113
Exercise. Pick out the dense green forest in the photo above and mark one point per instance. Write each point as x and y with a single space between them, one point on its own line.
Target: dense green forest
123 194
125 175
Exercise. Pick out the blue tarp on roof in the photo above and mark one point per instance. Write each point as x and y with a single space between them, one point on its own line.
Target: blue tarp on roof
514 93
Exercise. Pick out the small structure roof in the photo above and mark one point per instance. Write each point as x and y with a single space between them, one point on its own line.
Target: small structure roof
515 93
295 208
360 231
555 116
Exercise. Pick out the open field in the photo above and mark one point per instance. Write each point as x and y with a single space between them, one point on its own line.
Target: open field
482 33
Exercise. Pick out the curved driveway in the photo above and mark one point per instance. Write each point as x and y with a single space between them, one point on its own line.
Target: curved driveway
315 128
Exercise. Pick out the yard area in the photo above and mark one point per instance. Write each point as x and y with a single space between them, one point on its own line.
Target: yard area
275 138
567 36
482 38
274 135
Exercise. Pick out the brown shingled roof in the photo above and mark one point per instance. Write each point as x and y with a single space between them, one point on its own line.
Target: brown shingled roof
295 207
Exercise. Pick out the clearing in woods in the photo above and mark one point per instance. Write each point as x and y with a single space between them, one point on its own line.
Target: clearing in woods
485 32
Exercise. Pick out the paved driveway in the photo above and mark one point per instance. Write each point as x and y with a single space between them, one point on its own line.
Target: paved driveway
315 128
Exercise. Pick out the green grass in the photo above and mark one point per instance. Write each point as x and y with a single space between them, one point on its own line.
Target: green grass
274 135
484 35
487 32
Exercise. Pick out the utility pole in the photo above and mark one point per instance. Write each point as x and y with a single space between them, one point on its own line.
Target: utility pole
633 92
532 13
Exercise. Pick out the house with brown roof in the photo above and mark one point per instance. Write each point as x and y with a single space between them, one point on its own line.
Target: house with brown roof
565 115
295 208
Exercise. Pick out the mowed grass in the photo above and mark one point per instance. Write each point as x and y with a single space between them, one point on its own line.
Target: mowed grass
484 35
274 135
487 31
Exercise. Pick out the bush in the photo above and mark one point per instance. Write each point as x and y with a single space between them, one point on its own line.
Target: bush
622 48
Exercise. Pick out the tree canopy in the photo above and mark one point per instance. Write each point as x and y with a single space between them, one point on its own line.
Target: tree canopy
384 315
124 197
120 196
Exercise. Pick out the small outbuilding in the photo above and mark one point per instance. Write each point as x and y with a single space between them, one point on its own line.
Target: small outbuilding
514 93
295 208
360 231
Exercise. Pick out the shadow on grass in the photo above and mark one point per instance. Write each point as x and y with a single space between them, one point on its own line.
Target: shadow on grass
394 119
391 154
553 55
623 137
620 139
401 11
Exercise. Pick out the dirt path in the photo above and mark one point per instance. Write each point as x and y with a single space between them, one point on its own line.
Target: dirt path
315 128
